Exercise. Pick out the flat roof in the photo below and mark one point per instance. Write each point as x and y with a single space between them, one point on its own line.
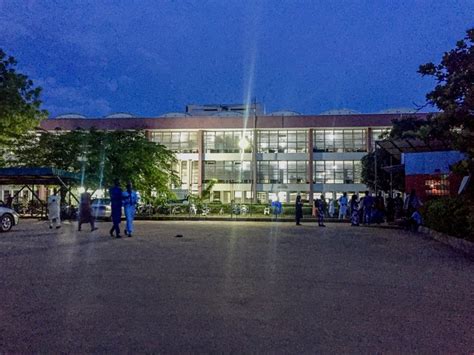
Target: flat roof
237 122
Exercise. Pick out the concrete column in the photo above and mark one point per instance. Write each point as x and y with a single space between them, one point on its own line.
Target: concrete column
254 166
369 139
310 165
200 142
148 134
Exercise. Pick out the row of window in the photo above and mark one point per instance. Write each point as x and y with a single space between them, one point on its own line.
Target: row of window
283 172
178 142
227 141
228 171
277 141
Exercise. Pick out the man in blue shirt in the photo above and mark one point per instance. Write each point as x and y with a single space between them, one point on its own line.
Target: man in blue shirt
367 204
130 201
115 193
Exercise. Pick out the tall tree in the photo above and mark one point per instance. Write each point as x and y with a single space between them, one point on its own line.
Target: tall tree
19 101
100 157
453 95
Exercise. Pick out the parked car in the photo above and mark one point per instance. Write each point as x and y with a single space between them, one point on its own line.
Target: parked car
101 208
8 218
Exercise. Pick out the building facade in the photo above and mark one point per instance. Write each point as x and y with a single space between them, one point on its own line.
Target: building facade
261 157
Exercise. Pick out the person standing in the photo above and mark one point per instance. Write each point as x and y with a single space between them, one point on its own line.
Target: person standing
320 205
379 204
343 205
390 208
298 210
85 212
115 193
9 201
332 208
54 210
130 201
398 206
412 203
368 203
276 206
354 211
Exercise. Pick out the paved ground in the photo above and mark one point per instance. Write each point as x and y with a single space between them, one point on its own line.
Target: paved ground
233 287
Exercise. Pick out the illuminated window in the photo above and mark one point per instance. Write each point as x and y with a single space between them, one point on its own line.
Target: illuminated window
282 141
337 172
177 142
282 172
228 171
227 141
338 140
437 186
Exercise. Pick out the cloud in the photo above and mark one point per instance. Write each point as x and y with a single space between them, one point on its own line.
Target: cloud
59 99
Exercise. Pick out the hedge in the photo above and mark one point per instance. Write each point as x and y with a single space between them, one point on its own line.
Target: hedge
450 215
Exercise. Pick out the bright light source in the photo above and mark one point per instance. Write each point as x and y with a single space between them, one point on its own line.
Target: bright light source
244 143
81 189
99 193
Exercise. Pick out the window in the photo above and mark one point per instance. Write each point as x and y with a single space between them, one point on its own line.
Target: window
338 140
226 141
228 171
178 142
282 141
282 172
437 186
184 173
337 172
195 173
377 133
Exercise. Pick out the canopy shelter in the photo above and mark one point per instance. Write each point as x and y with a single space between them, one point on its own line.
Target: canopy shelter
395 147
30 176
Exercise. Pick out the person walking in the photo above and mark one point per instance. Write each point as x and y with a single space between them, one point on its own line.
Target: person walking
130 201
115 193
354 211
367 205
343 205
298 210
54 210
320 205
85 212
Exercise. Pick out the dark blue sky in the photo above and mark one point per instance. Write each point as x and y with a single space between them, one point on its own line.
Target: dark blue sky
152 57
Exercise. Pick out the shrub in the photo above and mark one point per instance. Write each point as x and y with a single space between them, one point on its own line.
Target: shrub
450 215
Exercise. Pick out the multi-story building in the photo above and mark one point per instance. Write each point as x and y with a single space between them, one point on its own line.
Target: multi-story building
255 157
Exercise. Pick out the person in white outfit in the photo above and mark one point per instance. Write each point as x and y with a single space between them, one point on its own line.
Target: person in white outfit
332 208
54 210
343 202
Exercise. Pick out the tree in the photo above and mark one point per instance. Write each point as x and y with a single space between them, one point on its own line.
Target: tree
385 182
453 95
100 157
19 101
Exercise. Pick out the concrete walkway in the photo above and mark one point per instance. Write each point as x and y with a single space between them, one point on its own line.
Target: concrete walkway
232 287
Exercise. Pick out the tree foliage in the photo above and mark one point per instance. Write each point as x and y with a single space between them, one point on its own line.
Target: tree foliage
19 101
453 95
100 157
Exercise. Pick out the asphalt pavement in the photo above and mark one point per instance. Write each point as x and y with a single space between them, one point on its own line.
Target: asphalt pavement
232 287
